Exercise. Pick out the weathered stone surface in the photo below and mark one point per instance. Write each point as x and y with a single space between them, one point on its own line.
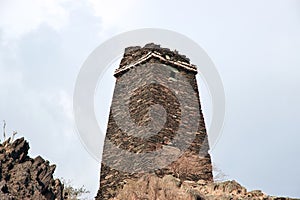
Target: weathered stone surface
169 188
132 54
22 177
164 98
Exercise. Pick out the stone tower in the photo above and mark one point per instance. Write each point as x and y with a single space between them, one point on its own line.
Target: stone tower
155 124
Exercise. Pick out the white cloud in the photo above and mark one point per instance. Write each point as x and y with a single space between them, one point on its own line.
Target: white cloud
65 101
10 78
111 11
20 17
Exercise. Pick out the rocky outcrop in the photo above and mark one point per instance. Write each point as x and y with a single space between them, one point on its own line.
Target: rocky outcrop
22 177
169 188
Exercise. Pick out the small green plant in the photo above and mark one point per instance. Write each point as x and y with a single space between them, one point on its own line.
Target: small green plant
4 134
219 175
72 193
13 136
11 139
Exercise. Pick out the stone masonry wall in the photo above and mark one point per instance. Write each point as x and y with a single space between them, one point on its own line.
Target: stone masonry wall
155 112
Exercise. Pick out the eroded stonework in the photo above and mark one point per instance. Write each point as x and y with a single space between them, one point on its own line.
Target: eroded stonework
156 119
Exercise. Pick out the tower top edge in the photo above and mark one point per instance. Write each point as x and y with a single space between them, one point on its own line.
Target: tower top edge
136 55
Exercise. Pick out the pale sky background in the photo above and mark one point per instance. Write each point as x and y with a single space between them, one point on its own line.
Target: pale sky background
254 44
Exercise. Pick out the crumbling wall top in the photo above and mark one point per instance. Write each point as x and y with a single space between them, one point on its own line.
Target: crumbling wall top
136 55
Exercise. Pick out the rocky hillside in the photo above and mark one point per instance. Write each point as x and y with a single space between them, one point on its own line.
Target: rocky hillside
22 177
151 187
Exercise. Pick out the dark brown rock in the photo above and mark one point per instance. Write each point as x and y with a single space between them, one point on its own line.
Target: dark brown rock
22 177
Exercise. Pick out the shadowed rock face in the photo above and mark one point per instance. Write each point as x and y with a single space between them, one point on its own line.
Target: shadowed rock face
22 177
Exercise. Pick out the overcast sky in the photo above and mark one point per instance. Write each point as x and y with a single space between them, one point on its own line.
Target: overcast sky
255 46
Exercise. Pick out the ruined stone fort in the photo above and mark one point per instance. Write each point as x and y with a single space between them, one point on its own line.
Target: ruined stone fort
155 114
